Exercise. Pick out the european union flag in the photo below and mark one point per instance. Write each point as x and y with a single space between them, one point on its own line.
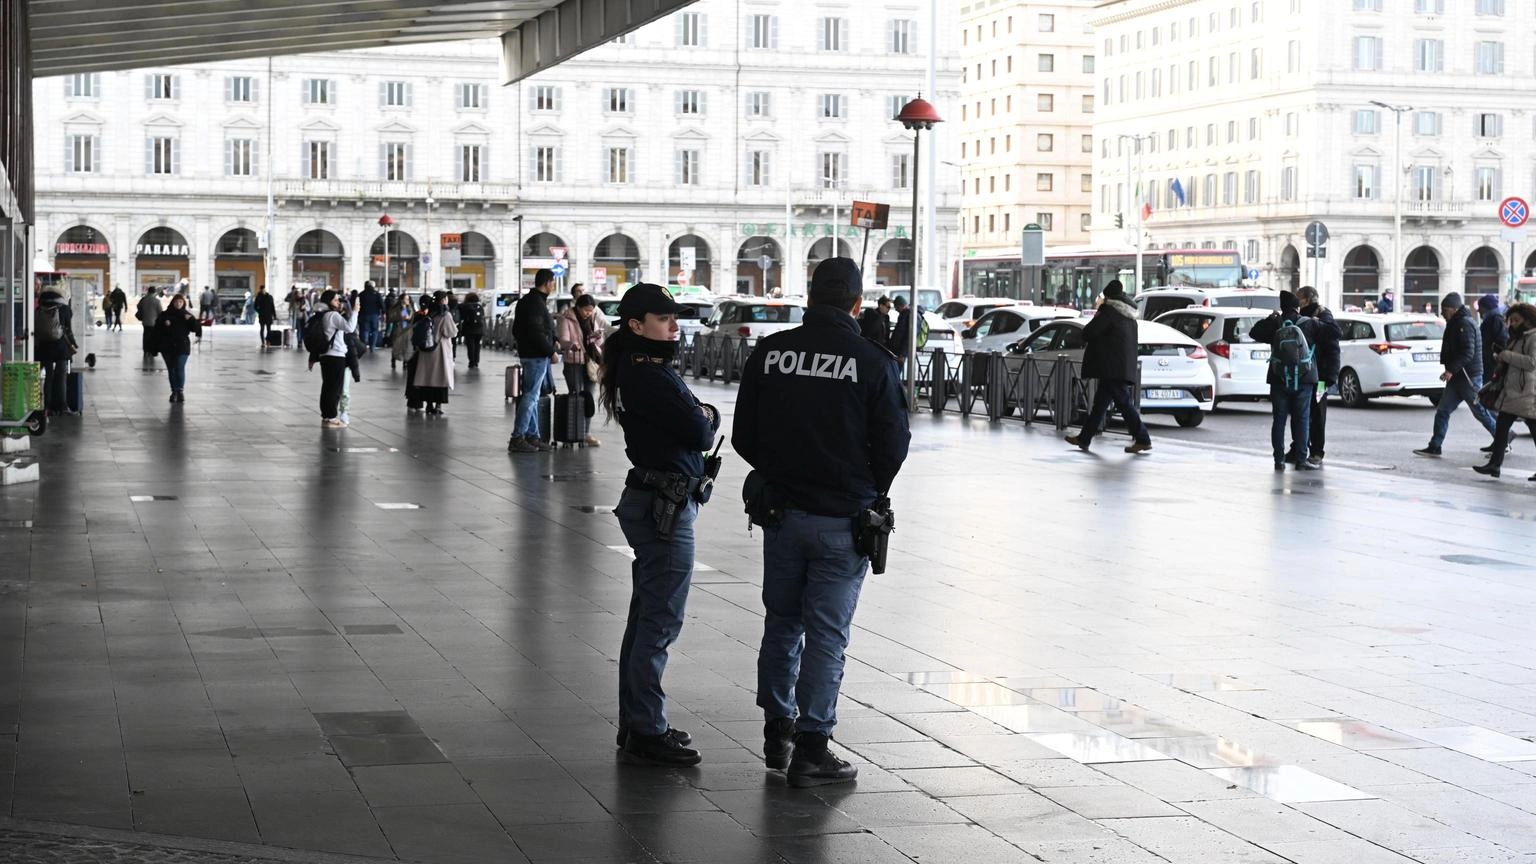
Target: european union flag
1177 189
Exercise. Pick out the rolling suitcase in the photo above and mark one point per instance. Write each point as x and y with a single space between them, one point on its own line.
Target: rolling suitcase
569 421
276 338
74 393
514 383
546 419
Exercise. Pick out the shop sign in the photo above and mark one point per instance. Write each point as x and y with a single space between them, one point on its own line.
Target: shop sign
453 249
160 250
811 229
80 249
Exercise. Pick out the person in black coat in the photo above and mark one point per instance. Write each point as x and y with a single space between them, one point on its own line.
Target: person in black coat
533 329
54 343
1461 353
1493 331
472 326
173 337
266 313
1326 355
875 324
1110 356
370 309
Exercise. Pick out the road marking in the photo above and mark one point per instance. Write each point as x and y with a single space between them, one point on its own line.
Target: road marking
698 566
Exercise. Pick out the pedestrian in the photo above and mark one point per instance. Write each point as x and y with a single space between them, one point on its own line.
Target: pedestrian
1492 330
533 331
1384 305
119 305
901 336
330 351
1110 356
666 433
1461 353
1292 379
266 313
875 324
1515 398
54 333
822 419
1326 354
173 336
207 304
148 312
472 327
434 355
248 311
580 340
370 308
400 314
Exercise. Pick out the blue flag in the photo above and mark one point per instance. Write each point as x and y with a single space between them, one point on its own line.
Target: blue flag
1177 189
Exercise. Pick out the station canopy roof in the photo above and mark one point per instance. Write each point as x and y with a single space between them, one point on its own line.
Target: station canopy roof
70 36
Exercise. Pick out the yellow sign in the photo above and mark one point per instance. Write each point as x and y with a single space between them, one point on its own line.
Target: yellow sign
1214 259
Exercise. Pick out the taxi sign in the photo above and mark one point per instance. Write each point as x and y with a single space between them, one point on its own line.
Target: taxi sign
868 215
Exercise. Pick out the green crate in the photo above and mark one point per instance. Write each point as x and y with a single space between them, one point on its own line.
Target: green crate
21 389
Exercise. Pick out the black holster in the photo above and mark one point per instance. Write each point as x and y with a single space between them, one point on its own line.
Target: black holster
872 533
764 502
670 494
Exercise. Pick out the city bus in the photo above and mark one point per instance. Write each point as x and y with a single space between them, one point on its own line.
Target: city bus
1074 275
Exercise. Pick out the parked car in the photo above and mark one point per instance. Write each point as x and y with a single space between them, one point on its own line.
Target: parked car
1240 365
1006 325
964 312
1389 355
1153 302
1175 377
689 322
752 317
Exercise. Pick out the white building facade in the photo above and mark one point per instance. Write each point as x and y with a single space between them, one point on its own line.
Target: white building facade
1262 115
696 150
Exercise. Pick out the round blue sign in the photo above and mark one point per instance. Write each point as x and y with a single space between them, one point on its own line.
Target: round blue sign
558 269
1253 273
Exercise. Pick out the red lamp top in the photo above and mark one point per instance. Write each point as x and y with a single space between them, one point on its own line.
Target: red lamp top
919 114
385 220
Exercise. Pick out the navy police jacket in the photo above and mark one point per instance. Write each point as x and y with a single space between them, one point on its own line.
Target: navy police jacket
664 428
822 414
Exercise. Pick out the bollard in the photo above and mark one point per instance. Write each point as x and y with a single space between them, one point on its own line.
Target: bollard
967 397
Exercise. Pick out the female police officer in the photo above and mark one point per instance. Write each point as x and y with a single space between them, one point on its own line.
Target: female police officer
666 432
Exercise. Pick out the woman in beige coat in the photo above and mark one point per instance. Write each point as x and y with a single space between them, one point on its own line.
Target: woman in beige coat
1516 399
434 365
579 335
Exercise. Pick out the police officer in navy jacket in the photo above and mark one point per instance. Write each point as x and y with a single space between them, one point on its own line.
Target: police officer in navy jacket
822 418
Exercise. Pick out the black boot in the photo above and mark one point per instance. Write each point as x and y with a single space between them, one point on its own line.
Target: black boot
663 749
814 765
1491 469
778 742
681 737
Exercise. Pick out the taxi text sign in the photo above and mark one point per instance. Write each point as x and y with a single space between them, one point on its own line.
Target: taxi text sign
453 249
866 214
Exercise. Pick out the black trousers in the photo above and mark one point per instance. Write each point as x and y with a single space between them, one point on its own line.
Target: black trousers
332 371
1118 393
472 345
1503 425
55 379
1317 438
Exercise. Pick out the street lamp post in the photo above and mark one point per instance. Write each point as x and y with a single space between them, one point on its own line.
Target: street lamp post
918 116
517 287
1397 202
387 224
1138 203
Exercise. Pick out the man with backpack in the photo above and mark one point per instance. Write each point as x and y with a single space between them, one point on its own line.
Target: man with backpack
1326 349
325 340
1461 353
54 346
1292 378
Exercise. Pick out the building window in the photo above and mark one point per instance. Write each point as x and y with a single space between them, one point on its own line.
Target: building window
832 106
1045 142
1366 121
1422 182
1293 56
546 164
1367 5
1045 181
239 157
1047 23
86 85
619 100
991 223
1288 183
901 36
470 97
162 86
82 154
1255 64
620 165
688 168
1045 102
832 34
1488 125
833 169
317 159
1490 7
1046 221
894 104
1489 58
546 98
1046 62
690 102
395 160
319 91
758 168
763 32
901 171
1229 188
690 30
1087 143
1428 55
239 88
1087 103
394 94
1085 221
760 104
1429 7
1426 123
163 155
1210 190
1087 182
1487 180
1088 64
471 163
1251 187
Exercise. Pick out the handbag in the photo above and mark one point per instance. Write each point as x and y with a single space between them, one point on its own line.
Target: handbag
594 369
1488 394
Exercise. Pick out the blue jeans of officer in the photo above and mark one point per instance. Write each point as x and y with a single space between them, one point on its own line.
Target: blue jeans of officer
534 370
1297 408
811 582
1461 388
662 572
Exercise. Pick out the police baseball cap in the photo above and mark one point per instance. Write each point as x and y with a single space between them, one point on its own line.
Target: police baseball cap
647 299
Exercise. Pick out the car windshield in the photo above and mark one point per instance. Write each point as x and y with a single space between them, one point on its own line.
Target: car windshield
765 314
1236 329
609 307
1248 301
1416 331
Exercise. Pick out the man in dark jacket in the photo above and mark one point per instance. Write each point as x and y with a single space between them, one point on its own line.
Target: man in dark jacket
1326 354
1461 353
533 331
370 309
1493 331
472 327
1109 355
53 346
266 314
1292 391
119 302
875 324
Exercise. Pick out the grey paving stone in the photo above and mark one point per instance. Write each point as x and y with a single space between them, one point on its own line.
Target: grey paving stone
954 844
450 833
1108 802
957 782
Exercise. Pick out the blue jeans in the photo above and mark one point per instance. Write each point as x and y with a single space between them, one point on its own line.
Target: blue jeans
1118 392
661 574
811 582
368 331
1459 389
1296 407
176 370
534 370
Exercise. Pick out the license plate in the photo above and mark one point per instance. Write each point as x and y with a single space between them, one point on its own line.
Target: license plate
1164 394
1259 355
1427 357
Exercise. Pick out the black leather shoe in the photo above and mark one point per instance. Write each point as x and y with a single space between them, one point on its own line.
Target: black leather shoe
1508 448
1279 466
814 765
1078 442
1304 465
778 742
1490 470
663 749
682 737
1427 451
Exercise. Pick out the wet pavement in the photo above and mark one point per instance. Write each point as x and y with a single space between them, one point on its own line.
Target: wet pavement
398 641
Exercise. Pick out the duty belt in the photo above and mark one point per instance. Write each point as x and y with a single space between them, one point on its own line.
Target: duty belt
671 490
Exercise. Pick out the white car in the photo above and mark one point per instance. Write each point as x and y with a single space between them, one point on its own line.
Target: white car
1241 365
928 298
1175 379
1389 355
752 317
1003 326
1153 302
964 312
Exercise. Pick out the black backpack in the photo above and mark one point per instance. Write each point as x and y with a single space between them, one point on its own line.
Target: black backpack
424 334
315 339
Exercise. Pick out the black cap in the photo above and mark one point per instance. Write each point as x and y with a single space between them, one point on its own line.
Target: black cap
647 299
1289 302
837 271
1114 289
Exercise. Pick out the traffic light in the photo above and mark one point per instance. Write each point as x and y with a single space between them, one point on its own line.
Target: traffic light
1119 220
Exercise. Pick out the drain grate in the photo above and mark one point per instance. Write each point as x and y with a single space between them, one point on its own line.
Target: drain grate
363 449
576 475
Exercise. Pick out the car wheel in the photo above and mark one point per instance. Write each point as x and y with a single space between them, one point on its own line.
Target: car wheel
1189 418
1349 390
